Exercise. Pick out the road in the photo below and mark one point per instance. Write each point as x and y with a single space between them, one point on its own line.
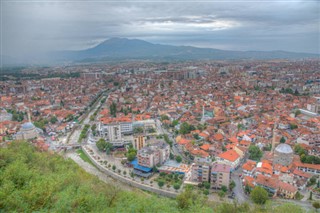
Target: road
75 135
238 190
161 130
93 170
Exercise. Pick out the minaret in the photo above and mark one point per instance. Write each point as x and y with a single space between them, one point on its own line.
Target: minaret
29 116
274 136
202 112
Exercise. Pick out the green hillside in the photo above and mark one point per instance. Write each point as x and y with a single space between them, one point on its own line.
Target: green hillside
39 181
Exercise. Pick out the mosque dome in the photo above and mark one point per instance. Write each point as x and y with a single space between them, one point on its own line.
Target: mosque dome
27 126
284 148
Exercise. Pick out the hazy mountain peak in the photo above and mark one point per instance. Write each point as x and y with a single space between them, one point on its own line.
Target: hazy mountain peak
124 48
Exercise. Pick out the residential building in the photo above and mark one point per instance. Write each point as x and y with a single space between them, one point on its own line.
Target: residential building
249 168
156 154
220 175
309 168
200 172
139 142
268 183
287 190
230 157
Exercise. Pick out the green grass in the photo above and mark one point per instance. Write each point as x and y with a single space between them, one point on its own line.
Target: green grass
84 157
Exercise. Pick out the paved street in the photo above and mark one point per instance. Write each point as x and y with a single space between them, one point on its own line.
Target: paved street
162 130
238 190
93 170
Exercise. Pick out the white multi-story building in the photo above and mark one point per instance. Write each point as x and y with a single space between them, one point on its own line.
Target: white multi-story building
126 127
114 132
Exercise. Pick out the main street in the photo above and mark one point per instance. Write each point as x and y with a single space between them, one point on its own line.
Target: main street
73 138
162 131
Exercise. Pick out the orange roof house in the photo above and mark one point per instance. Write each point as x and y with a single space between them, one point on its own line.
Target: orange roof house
205 147
218 137
229 155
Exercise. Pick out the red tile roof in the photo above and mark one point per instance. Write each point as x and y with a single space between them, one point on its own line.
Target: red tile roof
229 155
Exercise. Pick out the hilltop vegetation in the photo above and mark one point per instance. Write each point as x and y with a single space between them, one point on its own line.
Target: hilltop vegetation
39 181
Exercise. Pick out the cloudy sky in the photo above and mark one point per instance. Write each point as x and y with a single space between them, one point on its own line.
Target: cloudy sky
29 27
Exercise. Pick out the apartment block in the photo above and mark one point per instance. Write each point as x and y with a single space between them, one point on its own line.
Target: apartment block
220 175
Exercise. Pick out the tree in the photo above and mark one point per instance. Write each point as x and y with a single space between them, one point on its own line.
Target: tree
154 169
232 185
160 183
188 198
53 119
224 188
113 109
259 195
93 127
175 123
316 205
299 150
178 158
312 180
176 186
124 173
164 117
240 126
293 126
108 147
114 167
247 189
101 144
206 192
221 194
282 140
171 156
310 196
255 153
206 185
131 154
69 117
185 128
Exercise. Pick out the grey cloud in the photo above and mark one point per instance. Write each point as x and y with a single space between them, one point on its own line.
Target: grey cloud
34 27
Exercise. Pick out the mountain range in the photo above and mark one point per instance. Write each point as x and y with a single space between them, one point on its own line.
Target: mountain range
123 48
134 49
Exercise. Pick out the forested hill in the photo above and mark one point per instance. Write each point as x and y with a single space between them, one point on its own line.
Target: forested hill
39 181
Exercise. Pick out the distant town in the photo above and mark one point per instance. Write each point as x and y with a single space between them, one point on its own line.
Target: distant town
222 126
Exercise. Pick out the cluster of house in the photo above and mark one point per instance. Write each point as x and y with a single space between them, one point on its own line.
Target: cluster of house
280 172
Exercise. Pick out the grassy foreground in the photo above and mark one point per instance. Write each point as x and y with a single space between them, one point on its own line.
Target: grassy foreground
39 181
